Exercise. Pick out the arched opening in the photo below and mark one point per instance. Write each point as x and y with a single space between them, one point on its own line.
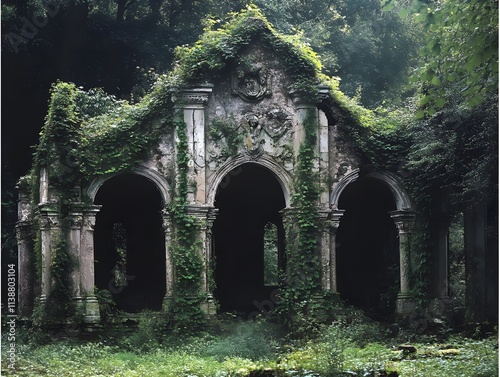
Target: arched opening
249 200
129 243
367 248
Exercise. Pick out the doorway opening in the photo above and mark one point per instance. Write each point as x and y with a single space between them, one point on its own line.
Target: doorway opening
367 248
129 243
249 238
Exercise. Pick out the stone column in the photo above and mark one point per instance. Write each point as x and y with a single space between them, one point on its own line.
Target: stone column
206 215
193 103
44 185
475 262
324 244
335 217
304 110
323 151
404 221
25 252
76 221
169 264
25 266
87 281
50 232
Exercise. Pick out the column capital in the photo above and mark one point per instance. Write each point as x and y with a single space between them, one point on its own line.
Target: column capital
23 230
196 97
75 220
89 216
49 218
404 220
200 211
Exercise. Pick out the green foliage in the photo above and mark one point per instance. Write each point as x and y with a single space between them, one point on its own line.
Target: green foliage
369 50
219 48
148 335
303 272
249 340
253 347
227 129
185 313
461 53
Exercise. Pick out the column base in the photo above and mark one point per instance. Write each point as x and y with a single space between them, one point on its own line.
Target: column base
92 314
167 304
209 306
405 304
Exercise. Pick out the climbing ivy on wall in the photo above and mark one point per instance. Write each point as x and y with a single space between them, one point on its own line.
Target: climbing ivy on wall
185 311
303 278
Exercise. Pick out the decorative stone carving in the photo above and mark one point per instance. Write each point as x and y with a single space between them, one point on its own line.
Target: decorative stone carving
48 221
252 85
24 211
89 222
195 96
76 221
253 141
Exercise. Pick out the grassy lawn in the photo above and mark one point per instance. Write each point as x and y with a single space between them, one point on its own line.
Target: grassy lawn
237 349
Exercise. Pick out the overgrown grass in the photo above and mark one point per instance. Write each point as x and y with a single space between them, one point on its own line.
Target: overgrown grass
237 349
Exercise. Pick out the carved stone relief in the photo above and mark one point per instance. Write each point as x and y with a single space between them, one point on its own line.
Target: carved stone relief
262 129
253 84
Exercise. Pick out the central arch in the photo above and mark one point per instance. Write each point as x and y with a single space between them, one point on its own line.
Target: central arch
249 201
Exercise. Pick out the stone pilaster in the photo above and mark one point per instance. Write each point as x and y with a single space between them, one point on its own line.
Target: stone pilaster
404 221
304 111
87 278
76 221
323 151
50 232
44 185
25 265
324 244
169 264
206 216
25 251
193 103
334 222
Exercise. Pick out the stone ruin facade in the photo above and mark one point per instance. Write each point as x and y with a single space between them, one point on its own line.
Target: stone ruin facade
244 131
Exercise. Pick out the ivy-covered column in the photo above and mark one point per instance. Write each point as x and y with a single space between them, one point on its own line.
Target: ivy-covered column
169 264
50 234
209 265
76 221
334 223
404 221
25 247
87 263
324 244
194 101
205 216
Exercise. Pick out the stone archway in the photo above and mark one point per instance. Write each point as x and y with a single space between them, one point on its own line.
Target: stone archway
367 248
252 198
129 242
372 218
